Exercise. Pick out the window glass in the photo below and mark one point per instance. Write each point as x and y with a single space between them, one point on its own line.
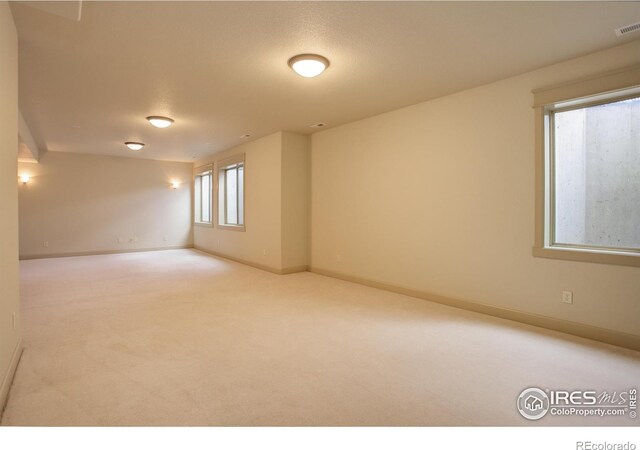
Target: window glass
232 196
230 188
596 155
202 197
198 198
206 198
241 195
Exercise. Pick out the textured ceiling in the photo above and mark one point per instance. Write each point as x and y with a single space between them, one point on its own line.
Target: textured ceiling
220 68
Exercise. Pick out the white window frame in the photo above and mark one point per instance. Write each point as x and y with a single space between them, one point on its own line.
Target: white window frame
221 170
606 88
198 173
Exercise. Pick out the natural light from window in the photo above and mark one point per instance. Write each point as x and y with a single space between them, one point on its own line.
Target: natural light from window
596 179
202 197
230 189
234 195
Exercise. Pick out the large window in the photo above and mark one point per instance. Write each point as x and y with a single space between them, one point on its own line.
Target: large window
596 175
202 195
589 165
231 193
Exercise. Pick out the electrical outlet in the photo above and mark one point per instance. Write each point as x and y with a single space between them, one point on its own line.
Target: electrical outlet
567 297
264 251
45 244
165 237
338 257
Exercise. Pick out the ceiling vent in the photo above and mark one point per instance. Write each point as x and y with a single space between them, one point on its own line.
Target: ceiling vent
318 125
628 29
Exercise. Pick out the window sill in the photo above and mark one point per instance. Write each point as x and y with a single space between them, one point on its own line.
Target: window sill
588 255
203 224
231 227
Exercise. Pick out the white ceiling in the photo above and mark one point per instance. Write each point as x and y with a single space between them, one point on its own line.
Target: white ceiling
220 68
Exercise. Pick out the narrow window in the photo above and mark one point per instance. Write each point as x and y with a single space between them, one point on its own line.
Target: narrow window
202 195
231 193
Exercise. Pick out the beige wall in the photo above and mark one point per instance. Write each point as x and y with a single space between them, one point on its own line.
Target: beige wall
9 295
276 205
439 197
296 170
87 203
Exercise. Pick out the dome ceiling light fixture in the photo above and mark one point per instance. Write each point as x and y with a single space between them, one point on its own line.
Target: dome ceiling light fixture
134 145
160 121
308 65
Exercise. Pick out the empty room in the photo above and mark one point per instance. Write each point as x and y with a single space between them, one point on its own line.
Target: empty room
321 214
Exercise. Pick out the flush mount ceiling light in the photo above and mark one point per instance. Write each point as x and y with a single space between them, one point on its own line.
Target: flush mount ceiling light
308 65
134 145
160 122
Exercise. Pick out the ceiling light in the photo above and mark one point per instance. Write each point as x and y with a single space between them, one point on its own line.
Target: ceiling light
245 136
159 121
134 145
308 65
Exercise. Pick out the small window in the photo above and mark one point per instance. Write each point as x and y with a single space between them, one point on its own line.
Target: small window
231 193
202 195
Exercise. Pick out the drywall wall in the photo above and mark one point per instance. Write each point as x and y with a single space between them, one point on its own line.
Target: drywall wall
276 205
439 198
9 284
295 199
77 204
261 242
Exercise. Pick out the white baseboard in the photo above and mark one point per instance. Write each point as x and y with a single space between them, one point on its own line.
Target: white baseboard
574 328
8 377
102 252
278 271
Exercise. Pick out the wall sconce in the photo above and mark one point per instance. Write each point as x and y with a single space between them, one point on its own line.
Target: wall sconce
24 178
175 184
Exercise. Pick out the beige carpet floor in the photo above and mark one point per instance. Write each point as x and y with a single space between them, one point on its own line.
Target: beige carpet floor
183 338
